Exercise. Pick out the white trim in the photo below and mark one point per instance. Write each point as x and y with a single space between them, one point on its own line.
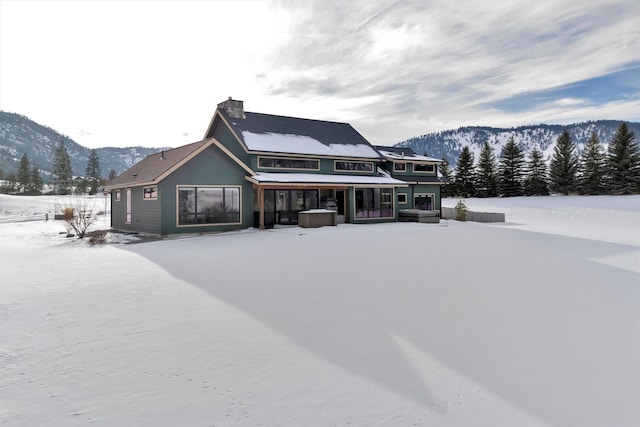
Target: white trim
433 167
117 195
396 164
432 195
404 195
128 211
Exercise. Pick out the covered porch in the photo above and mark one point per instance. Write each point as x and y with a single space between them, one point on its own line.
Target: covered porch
280 197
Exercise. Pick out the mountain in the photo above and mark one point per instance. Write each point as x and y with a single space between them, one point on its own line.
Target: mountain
449 143
20 135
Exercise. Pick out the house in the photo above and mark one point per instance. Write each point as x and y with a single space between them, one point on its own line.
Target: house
420 173
257 170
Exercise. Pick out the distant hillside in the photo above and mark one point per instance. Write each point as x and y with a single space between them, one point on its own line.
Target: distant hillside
449 143
19 135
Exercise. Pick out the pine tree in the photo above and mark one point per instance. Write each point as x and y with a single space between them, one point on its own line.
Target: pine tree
112 175
563 170
36 180
511 170
62 169
592 167
465 179
487 173
24 175
447 174
623 162
93 171
536 183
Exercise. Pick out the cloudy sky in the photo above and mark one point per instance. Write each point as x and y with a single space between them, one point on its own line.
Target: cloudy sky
150 73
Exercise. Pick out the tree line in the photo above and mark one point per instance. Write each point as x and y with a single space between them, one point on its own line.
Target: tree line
28 179
594 171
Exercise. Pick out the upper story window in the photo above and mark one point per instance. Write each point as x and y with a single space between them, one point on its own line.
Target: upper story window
423 168
288 163
399 167
354 166
150 193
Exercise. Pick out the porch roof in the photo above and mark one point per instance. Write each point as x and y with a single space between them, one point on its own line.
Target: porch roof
324 179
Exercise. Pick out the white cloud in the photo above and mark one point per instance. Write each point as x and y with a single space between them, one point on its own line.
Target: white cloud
147 73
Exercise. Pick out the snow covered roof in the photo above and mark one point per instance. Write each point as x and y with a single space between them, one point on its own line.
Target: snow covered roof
404 153
290 135
312 178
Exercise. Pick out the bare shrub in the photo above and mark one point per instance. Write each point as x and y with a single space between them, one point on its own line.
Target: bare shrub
78 214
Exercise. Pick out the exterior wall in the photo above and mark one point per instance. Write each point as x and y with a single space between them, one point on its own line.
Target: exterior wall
145 214
211 167
222 133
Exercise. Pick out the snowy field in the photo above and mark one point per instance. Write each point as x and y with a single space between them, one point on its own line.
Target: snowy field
533 322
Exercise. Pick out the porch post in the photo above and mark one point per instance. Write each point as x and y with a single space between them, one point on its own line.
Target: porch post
261 202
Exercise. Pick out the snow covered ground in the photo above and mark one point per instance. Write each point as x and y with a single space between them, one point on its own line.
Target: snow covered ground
534 322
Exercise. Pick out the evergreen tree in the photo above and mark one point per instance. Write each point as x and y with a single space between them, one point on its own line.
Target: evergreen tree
487 173
564 165
623 162
511 170
62 170
465 179
592 167
447 176
535 183
24 174
93 171
36 180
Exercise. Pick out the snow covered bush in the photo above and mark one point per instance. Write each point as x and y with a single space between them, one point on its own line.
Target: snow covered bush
461 211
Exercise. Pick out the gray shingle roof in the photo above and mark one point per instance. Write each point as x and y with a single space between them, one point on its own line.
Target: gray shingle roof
281 134
149 169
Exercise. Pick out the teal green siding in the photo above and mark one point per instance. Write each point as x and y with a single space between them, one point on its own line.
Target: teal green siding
211 167
145 214
223 135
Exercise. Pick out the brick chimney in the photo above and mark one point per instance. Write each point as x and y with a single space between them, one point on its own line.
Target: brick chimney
233 108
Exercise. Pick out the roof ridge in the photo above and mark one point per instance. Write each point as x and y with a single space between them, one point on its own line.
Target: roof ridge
299 118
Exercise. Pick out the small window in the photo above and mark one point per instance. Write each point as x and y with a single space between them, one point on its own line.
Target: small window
117 195
399 167
402 198
423 168
150 193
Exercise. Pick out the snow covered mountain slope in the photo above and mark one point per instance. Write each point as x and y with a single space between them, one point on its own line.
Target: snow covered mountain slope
449 143
19 135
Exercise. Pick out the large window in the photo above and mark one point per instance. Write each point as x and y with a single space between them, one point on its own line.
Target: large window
287 163
208 205
354 166
423 168
374 202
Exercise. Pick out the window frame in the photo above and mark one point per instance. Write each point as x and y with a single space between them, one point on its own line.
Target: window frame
117 195
372 201
196 187
290 159
431 165
397 164
144 192
402 198
336 169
